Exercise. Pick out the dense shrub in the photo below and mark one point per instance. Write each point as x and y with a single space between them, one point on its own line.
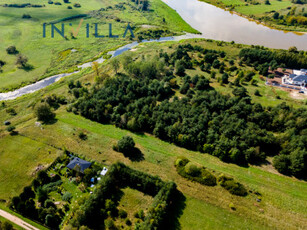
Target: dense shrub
67 196
232 186
12 50
187 169
192 170
125 144
44 113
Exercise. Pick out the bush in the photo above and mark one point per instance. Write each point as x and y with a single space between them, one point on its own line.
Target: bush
6 226
282 164
26 16
232 207
49 203
43 112
192 169
232 186
207 178
11 111
77 5
11 128
122 214
128 222
181 161
67 196
12 50
125 144
109 223
82 136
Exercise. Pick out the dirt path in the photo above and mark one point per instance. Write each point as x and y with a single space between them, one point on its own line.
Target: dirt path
17 220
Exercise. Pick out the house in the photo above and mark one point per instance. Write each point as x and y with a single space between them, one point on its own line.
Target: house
299 78
79 162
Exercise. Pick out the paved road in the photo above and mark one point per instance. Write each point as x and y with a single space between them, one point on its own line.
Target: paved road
17 220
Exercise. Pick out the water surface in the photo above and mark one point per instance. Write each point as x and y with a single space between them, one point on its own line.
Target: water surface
218 24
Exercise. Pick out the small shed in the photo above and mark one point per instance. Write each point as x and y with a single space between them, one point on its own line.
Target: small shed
82 163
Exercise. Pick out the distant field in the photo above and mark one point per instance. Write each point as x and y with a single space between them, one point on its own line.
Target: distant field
258 10
261 9
46 54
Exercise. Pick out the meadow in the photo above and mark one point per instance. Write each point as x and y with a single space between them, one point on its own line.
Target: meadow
50 56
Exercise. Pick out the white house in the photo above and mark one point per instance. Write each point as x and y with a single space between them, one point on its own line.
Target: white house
299 78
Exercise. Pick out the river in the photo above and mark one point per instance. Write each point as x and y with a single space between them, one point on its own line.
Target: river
219 24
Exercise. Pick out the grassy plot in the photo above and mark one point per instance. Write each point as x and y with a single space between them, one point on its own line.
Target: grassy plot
20 157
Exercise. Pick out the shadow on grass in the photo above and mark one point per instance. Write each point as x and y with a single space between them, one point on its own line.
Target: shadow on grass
135 155
50 122
175 212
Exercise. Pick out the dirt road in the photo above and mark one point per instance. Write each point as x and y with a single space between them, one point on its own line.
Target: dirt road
17 220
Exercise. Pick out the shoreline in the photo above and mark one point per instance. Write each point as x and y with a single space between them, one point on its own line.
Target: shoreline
274 26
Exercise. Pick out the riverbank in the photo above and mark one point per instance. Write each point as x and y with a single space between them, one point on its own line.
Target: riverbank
242 9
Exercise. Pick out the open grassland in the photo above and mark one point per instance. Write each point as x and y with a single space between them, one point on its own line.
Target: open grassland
262 9
283 199
281 196
19 158
50 56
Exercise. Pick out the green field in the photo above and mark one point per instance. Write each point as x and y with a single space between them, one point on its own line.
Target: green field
261 12
50 56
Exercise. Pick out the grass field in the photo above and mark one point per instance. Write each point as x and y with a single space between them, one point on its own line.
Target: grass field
262 9
281 196
133 201
26 153
283 201
50 56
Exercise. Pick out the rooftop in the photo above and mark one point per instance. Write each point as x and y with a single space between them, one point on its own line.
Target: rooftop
82 163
